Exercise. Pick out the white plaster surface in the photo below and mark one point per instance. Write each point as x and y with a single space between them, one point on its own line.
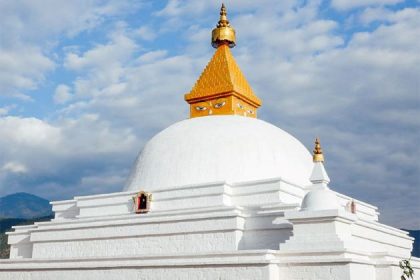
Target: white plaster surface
218 265
244 272
320 199
219 148
210 231
251 229
319 174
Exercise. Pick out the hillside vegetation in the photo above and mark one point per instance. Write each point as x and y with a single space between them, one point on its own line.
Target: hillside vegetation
6 225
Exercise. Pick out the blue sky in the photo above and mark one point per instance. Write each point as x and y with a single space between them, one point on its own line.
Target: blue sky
84 84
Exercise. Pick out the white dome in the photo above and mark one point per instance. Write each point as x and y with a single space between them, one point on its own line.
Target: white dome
219 148
320 199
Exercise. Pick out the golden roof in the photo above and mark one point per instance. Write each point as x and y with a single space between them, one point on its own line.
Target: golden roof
222 83
222 75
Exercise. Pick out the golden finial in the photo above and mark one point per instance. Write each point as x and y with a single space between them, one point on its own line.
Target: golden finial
318 156
223 22
223 34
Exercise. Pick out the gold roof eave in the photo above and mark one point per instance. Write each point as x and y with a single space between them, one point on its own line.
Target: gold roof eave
223 93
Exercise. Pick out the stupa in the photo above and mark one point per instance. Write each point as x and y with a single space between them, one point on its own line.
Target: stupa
221 195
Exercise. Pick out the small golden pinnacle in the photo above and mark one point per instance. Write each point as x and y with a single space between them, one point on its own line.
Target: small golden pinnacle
318 156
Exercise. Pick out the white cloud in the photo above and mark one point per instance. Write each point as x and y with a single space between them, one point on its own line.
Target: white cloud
146 33
14 167
22 68
370 15
117 51
101 68
351 4
62 94
32 22
27 132
29 33
152 56
61 154
6 109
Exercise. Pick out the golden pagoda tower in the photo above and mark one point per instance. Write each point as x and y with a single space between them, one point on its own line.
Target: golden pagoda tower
222 88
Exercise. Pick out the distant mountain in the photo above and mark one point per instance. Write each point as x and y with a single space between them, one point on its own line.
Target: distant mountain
20 209
24 206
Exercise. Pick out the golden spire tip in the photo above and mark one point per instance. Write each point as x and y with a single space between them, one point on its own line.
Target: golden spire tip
318 155
223 34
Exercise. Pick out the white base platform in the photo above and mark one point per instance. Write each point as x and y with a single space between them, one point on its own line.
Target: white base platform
249 230
249 264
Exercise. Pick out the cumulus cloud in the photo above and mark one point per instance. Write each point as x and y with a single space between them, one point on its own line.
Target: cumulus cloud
62 94
6 109
101 67
370 15
14 167
61 154
116 52
351 4
29 32
22 68
146 33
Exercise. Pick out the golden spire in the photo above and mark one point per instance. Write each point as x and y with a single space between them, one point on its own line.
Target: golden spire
223 34
318 156
222 88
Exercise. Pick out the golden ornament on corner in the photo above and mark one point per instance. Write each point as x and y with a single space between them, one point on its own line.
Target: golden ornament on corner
318 155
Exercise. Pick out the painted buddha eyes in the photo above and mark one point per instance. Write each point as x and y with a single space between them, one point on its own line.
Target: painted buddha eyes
246 110
205 106
219 105
201 108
